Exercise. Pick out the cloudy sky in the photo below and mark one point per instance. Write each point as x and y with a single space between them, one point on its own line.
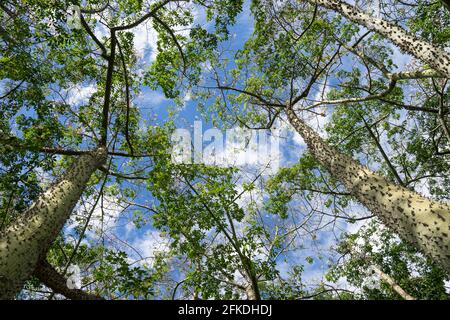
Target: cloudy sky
142 243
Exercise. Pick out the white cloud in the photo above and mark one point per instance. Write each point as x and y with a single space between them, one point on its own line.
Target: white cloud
285 131
149 98
103 220
145 38
105 214
80 94
148 245
248 149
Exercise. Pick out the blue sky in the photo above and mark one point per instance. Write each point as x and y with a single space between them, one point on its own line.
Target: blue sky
154 109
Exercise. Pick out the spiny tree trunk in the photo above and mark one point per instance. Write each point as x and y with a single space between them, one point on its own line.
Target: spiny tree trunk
390 281
26 241
51 278
422 50
416 219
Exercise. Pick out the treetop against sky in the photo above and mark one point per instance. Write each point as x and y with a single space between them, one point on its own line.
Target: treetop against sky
224 149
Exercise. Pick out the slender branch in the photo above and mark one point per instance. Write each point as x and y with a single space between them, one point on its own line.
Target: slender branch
127 98
254 95
446 3
83 231
122 176
389 280
443 114
418 74
108 89
12 90
143 18
174 38
94 37
383 153
174 292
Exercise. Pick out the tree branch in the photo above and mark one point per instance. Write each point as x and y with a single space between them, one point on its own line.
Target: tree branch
108 89
54 280
422 50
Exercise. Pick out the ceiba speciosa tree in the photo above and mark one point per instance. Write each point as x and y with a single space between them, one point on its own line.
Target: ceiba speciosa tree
423 222
26 241
417 219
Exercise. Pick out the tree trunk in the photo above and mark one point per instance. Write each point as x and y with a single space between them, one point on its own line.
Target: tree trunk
252 288
416 219
390 281
26 241
58 283
422 50
251 293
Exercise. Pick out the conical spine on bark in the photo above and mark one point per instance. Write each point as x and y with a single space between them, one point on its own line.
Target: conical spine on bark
416 219
26 240
422 50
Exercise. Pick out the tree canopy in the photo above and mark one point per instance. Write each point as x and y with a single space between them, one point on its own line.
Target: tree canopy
324 140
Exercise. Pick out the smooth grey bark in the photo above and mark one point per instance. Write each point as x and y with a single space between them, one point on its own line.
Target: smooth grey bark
390 281
416 219
252 289
252 293
422 50
27 239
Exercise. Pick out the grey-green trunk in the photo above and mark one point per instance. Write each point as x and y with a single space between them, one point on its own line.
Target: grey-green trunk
416 219
24 242
422 50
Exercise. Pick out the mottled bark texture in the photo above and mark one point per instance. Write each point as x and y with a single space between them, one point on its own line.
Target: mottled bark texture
54 280
252 293
422 50
26 240
252 288
416 219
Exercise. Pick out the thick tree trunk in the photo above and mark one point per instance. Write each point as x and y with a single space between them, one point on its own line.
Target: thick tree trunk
390 281
251 293
26 241
58 283
416 219
252 288
422 50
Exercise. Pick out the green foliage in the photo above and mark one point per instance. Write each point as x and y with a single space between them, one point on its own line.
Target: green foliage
431 21
376 245
296 52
